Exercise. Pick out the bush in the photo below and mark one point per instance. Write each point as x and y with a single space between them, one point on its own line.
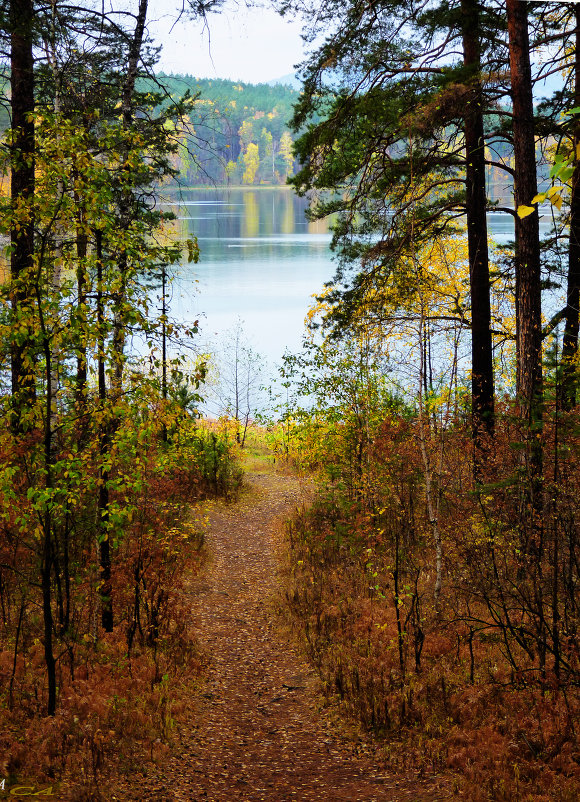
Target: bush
114 689
492 657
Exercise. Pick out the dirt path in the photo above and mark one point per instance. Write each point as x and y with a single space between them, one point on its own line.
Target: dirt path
259 729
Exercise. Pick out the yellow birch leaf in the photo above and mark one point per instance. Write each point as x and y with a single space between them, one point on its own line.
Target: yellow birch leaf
524 211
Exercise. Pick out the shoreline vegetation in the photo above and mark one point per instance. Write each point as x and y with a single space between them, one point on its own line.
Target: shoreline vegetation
244 137
226 187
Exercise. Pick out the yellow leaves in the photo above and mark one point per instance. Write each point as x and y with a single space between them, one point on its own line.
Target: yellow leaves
317 311
525 211
554 195
251 161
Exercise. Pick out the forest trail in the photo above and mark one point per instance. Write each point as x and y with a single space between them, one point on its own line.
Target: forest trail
259 727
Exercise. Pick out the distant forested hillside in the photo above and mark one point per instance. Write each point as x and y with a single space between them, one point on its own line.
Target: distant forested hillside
235 133
238 133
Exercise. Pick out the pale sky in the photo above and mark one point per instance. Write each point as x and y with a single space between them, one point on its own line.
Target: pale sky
252 45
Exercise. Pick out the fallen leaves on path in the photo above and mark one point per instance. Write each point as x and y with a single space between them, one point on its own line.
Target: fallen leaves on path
259 727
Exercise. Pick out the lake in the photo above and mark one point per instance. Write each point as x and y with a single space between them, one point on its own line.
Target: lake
261 261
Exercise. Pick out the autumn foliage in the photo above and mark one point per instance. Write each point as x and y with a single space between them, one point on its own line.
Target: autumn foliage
479 675
116 690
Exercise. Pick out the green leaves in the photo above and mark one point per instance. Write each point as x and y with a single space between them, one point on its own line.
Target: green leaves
192 250
561 171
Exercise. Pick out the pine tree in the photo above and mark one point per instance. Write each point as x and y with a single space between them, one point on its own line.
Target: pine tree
403 137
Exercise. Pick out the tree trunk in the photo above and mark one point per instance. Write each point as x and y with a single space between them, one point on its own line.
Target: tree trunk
105 590
528 285
476 206
125 202
59 233
47 614
22 192
164 345
81 314
528 282
48 544
570 339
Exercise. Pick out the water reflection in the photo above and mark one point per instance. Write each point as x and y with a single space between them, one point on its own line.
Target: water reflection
288 221
261 260
251 217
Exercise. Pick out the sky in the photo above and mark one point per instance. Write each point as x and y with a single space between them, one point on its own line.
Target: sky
251 45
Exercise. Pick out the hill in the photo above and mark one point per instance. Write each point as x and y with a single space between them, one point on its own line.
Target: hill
235 132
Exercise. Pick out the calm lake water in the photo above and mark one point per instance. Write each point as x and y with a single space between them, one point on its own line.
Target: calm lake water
260 261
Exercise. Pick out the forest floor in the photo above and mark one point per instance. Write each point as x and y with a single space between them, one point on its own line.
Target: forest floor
258 726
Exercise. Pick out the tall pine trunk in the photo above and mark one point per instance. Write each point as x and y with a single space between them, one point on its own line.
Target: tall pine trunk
528 284
476 206
22 193
571 313
528 280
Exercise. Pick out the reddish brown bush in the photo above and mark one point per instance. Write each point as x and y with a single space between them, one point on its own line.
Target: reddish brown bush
485 676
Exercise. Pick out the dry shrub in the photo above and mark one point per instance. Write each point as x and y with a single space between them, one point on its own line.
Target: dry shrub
115 714
117 692
477 681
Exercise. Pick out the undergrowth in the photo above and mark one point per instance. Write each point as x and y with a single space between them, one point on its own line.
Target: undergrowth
118 692
480 678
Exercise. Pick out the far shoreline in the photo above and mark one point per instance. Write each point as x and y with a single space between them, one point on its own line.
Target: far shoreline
225 187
